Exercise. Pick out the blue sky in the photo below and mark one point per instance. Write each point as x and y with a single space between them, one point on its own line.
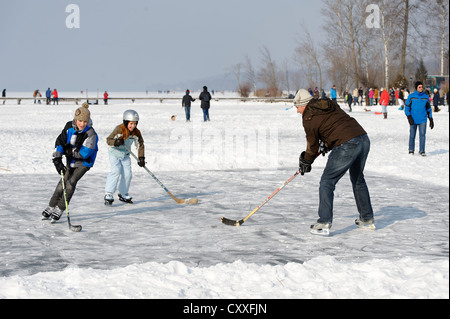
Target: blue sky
142 44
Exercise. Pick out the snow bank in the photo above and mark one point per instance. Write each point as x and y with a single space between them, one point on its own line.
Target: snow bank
320 277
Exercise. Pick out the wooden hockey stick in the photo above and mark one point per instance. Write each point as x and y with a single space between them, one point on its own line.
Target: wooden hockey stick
189 201
238 223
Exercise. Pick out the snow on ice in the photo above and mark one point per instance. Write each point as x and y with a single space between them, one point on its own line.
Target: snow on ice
158 249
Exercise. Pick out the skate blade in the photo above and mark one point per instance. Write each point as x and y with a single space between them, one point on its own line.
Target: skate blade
367 227
320 232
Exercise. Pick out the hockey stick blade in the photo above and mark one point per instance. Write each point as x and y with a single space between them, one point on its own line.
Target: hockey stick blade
230 222
75 228
191 201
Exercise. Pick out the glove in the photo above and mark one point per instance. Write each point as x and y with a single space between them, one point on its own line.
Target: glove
305 166
118 142
410 120
431 123
57 161
323 149
68 150
141 162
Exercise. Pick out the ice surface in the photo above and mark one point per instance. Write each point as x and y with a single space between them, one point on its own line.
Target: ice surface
156 248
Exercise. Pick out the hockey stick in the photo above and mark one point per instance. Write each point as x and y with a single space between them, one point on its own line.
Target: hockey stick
189 201
75 228
238 223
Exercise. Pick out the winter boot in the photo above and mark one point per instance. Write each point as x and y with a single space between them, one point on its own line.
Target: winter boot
321 229
125 198
56 214
385 115
365 225
109 199
47 213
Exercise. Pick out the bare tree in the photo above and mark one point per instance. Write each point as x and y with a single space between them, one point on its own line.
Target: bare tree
268 73
308 56
235 70
443 6
250 73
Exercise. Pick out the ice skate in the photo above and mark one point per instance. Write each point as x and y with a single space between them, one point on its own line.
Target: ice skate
321 229
126 198
109 199
47 213
369 225
56 214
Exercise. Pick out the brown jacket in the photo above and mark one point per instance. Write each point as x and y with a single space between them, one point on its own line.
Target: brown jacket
324 120
121 132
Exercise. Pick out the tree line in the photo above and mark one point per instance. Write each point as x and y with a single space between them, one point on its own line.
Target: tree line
368 43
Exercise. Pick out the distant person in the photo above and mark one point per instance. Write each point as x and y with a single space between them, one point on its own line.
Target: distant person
417 110
384 101
105 97
436 100
4 95
401 99
205 97
55 97
348 99
37 95
186 103
48 95
333 93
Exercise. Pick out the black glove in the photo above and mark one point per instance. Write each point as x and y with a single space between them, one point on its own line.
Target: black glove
410 120
323 149
57 161
141 162
118 142
305 166
68 150
431 123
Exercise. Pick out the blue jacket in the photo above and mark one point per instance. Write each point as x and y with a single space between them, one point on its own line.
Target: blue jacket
418 106
333 93
80 147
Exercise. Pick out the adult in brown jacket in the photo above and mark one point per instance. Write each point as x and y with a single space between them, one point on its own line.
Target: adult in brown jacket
328 127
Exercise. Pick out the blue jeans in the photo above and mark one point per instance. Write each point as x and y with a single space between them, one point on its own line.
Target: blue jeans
205 115
350 156
422 134
187 109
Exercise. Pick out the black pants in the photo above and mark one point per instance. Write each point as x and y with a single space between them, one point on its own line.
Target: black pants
71 178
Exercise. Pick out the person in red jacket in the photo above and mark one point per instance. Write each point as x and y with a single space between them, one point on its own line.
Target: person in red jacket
105 97
384 102
55 97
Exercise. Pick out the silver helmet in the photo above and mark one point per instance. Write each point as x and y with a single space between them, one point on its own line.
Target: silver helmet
131 116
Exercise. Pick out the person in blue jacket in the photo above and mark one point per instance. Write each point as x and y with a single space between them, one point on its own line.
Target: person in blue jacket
78 143
418 110
48 95
333 94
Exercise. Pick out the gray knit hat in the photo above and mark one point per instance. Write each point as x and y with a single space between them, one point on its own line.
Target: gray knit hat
82 113
302 98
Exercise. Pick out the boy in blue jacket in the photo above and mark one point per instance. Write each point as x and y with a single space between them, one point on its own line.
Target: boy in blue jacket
78 143
418 110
